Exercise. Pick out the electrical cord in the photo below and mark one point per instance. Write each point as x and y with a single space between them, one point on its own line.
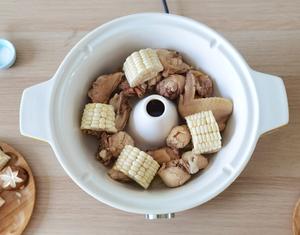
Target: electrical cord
166 6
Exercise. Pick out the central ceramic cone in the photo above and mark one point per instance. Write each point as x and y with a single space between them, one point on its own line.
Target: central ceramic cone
151 120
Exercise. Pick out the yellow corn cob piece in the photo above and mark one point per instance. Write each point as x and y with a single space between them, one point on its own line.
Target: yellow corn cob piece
137 165
4 159
142 66
98 117
205 132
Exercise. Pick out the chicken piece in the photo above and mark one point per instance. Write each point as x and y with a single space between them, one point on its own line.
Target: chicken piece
104 86
128 91
204 85
112 145
117 142
194 162
151 84
93 132
118 176
174 173
163 155
105 157
171 87
189 147
172 62
188 104
179 137
122 109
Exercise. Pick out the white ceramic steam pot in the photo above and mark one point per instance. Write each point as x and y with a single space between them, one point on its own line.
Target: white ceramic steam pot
51 111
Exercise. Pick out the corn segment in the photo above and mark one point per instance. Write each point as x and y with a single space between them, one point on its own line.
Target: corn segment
205 132
4 159
142 66
98 117
137 165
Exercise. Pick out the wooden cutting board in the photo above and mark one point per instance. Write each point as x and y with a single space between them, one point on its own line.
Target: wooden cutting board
296 219
16 212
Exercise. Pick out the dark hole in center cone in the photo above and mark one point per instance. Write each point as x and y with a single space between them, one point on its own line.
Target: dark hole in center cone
155 108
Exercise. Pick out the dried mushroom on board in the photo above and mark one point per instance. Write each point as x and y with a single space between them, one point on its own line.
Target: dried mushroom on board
12 178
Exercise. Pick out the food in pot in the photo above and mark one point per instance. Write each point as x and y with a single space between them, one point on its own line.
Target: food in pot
204 85
220 107
179 137
164 72
122 109
99 117
129 91
91 132
194 162
118 175
118 141
174 173
188 104
205 132
151 84
105 157
142 66
104 86
137 165
172 62
4 159
164 154
112 145
171 87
